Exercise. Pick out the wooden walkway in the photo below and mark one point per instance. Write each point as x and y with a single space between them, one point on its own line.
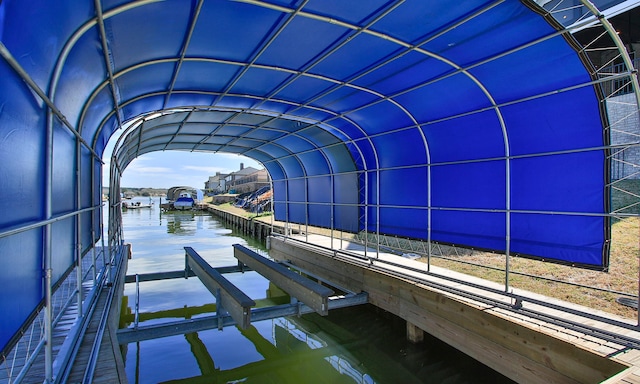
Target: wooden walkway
109 366
613 342
595 340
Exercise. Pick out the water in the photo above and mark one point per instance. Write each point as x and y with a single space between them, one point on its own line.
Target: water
354 345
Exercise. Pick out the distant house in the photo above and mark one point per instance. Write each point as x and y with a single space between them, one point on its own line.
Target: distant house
246 179
216 184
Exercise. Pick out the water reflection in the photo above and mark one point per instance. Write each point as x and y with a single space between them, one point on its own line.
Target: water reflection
289 353
181 224
353 345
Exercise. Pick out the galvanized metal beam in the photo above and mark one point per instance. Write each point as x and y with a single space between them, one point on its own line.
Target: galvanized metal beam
180 274
230 297
131 335
309 292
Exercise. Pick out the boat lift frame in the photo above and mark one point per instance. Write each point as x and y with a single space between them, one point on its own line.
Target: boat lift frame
233 307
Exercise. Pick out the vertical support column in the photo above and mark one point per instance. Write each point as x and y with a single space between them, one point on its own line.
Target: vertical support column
136 319
366 212
507 252
377 212
429 213
286 208
306 207
48 270
79 297
333 207
79 276
93 251
414 333
273 209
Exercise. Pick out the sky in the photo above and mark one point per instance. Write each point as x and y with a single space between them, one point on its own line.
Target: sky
174 168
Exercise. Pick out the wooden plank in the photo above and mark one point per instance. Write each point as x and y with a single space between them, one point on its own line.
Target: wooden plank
307 291
517 350
232 299
349 275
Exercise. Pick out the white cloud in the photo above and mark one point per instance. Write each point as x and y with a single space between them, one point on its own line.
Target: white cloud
203 168
145 170
171 168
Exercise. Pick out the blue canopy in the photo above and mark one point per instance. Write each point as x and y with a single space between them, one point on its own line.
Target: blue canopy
475 123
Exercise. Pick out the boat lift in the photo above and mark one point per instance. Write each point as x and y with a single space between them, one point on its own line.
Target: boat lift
234 307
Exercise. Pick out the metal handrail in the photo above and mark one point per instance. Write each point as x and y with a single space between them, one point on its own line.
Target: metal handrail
400 249
517 297
42 223
95 350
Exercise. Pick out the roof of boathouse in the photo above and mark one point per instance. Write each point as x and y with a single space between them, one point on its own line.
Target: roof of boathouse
478 123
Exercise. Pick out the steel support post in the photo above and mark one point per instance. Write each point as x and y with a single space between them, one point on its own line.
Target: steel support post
332 209
79 276
377 212
306 207
48 262
93 253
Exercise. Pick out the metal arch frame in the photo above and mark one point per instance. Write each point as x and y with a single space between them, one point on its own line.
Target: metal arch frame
127 144
261 50
183 51
306 127
251 127
285 132
299 73
368 31
170 92
505 146
229 109
459 70
390 98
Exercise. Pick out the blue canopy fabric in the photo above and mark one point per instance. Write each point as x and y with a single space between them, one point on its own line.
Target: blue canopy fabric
476 123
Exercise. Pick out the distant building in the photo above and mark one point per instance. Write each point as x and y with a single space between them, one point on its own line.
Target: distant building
216 184
246 179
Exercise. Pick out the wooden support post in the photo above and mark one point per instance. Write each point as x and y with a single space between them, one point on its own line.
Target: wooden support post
232 299
414 334
307 291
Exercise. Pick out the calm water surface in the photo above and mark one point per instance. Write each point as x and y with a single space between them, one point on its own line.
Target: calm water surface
354 345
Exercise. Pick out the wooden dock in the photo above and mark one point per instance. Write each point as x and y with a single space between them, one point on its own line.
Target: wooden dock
527 337
100 325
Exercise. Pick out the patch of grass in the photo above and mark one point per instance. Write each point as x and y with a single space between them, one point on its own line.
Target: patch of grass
621 277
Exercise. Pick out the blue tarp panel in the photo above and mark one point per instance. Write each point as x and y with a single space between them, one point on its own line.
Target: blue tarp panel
461 122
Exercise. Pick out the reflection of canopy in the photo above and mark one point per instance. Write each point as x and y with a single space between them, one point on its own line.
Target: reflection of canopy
476 123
